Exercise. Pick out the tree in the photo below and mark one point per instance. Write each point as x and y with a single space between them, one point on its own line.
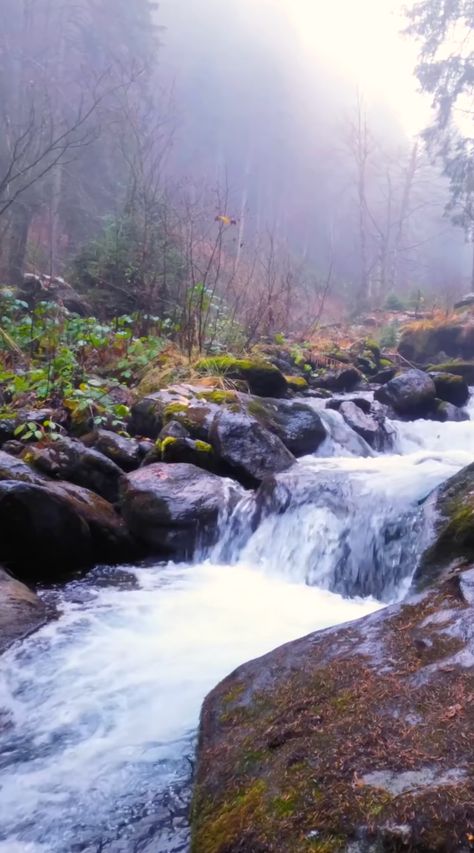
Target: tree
445 30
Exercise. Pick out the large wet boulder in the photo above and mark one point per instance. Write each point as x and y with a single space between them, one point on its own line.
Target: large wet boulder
53 529
251 451
422 342
452 507
173 509
296 424
21 610
13 468
411 394
125 452
345 379
369 425
451 388
69 459
357 738
262 377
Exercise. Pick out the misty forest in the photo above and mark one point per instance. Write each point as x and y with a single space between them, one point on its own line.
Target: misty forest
236 452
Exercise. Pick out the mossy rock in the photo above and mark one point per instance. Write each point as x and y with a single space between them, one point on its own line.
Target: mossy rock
298 384
454 528
422 341
465 369
451 388
291 758
262 377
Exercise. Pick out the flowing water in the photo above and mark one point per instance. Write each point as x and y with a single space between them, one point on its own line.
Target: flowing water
98 710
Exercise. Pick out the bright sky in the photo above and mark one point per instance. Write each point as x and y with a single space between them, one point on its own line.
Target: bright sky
362 40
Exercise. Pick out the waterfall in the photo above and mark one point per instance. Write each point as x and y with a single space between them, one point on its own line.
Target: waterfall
99 708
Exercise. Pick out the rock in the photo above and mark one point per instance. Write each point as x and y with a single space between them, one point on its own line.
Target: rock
13 448
174 508
179 404
37 288
453 508
69 459
21 611
342 380
123 451
384 375
262 377
54 529
361 402
170 449
366 425
451 388
466 302
421 342
296 424
247 447
411 394
444 411
355 738
297 384
12 468
465 369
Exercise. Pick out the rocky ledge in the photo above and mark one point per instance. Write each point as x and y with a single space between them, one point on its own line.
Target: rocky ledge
357 738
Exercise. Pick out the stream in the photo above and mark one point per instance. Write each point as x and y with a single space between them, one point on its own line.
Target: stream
99 709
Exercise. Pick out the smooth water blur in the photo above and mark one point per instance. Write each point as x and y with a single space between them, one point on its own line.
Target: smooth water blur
99 710
105 702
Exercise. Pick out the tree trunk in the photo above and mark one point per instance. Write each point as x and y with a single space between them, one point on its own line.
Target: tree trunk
18 238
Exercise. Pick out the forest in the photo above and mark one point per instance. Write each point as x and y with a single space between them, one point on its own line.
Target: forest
236 426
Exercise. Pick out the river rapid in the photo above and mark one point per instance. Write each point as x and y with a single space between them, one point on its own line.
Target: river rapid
99 709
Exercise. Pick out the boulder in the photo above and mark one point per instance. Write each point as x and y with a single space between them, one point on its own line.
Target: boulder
13 468
125 452
453 529
262 377
37 288
173 509
370 427
411 394
296 424
451 388
54 529
444 412
421 342
69 459
357 738
467 301
21 611
170 449
247 447
342 380
465 369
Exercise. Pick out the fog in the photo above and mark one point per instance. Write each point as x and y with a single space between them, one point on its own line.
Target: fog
266 93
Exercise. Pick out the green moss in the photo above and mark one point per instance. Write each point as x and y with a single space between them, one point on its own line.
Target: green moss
218 396
202 446
296 383
385 362
229 820
285 805
166 442
174 409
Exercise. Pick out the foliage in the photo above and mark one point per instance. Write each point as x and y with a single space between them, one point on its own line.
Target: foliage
50 356
394 303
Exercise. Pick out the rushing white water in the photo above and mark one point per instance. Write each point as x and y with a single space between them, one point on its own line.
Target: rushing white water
98 710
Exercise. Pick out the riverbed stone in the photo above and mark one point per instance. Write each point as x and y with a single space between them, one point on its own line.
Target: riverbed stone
451 388
21 610
251 451
357 738
411 394
175 508
52 529
125 452
69 459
